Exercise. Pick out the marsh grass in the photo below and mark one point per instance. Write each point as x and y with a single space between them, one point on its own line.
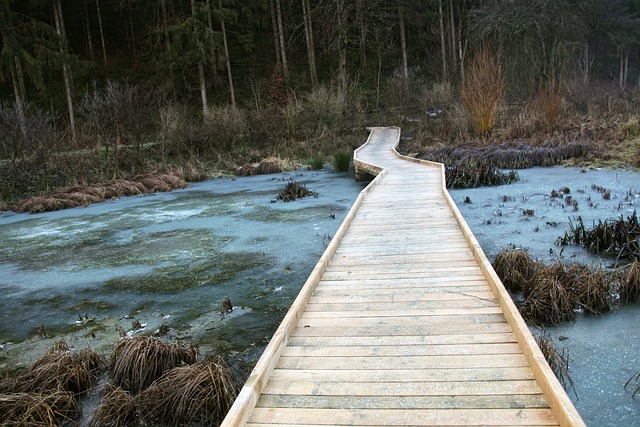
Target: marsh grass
38 409
515 268
618 237
75 196
116 409
477 174
630 288
293 191
556 292
316 162
61 369
196 394
137 362
509 155
266 166
548 302
558 360
342 160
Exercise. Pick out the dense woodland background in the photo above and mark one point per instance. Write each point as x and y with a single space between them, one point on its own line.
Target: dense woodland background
94 90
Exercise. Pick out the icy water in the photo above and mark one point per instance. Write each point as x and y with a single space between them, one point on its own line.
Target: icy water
604 351
87 274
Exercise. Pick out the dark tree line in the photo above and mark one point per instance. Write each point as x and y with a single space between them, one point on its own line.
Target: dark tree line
204 48
78 74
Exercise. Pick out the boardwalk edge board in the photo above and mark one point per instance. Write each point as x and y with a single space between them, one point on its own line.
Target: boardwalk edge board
246 403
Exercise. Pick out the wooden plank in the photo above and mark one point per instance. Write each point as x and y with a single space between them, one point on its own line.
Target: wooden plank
393 304
399 375
416 296
408 362
401 350
394 340
392 310
303 330
309 320
405 417
433 388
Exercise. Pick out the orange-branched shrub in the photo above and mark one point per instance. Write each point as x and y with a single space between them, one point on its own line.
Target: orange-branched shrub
483 89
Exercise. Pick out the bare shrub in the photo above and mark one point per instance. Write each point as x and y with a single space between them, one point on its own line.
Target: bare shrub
225 126
548 106
483 89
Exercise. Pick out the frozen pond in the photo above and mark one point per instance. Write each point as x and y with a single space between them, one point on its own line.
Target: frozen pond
86 274
604 351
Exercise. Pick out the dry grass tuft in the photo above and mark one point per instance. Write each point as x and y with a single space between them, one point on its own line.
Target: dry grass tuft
515 268
72 197
116 409
630 288
558 360
38 409
138 362
548 301
199 394
591 287
61 369
266 166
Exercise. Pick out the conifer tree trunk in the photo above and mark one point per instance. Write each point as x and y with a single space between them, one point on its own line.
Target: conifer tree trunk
308 35
87 30
283 51
213 53
232 94
443 47
104 49
66 74
403 43
203 83
362 36
276 33
454 61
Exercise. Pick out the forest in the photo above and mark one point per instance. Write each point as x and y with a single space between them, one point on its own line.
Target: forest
99 90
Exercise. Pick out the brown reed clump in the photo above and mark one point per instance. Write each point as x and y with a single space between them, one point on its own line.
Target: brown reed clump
71 197
117 409
138 362
123 187
548 301
515 268
558 360
38 409
591 287
293 191
630 288
61 369
199 394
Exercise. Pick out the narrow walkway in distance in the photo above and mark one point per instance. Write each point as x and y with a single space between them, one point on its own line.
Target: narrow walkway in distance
402 322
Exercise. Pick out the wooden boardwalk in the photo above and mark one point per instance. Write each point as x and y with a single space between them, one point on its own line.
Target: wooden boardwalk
402 322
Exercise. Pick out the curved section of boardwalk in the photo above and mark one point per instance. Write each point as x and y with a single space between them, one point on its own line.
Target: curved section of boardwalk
402 322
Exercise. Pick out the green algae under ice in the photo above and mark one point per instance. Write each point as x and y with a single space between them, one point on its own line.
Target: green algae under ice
88 274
